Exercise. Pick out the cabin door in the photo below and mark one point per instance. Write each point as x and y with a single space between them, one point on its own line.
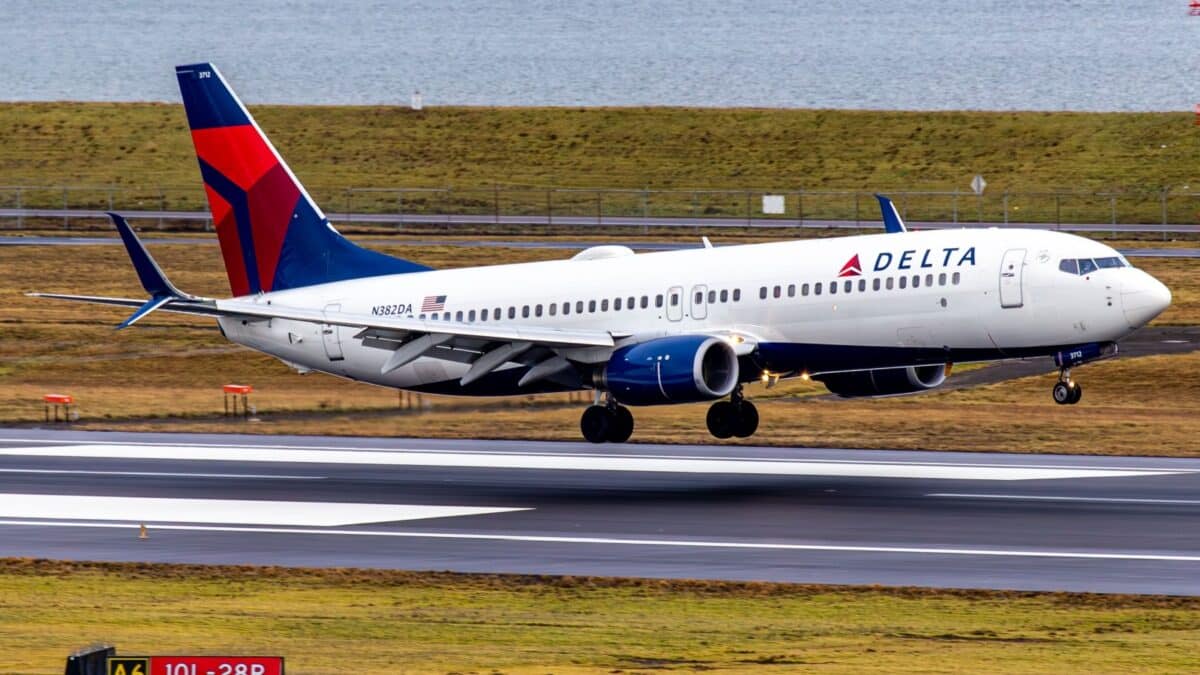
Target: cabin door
332 335
1012 269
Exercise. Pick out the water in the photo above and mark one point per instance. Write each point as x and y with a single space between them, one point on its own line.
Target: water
1104 55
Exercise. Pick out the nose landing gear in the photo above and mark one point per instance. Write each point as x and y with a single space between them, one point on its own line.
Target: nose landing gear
1066 391
735 417
608 423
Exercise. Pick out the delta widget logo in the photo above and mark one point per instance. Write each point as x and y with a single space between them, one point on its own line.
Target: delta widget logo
852 268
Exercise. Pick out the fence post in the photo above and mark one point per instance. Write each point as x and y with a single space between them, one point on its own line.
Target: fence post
1057 211
1006 207
599 207
954 201
66 214
549 206
1112 211
162 206
856 223
400 209
1164 213
800 206
749 209
20 218
496 202
980 208
645 203
110 199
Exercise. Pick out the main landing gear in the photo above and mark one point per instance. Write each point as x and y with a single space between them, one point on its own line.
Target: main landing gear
608 423
1066 391
735 417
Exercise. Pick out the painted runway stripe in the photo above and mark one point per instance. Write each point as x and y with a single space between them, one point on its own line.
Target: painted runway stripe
676 543
230 511
973 461
162 474
572 462
1056 498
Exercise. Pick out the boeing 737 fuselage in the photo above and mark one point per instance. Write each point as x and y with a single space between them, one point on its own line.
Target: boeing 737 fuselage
866 315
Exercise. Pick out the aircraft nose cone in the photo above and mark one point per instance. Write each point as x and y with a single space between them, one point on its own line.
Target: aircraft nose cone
1144 298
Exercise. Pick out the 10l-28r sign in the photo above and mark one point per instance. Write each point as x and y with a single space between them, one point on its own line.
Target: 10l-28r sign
195 665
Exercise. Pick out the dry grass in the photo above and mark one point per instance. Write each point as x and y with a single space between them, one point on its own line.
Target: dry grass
335 621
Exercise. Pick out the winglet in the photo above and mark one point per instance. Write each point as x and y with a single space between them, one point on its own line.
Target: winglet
160 288
892 222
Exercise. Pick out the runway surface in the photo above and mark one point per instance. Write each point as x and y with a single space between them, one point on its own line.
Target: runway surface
484 243
842 516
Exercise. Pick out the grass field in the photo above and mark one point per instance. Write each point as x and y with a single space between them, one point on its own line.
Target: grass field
165 374
338 621
144 147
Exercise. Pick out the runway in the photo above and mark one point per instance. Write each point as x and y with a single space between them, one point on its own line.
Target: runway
839 516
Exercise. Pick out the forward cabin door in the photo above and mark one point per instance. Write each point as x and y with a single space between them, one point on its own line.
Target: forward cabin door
1012 269
331 335
699 306
675 303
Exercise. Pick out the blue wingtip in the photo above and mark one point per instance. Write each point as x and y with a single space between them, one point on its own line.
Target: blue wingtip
891 217
148 271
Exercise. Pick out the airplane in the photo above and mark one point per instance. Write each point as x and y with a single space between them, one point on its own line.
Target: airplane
868 315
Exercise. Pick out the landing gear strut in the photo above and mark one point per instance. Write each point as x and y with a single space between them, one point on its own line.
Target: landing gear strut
735 417
1066 391
608 423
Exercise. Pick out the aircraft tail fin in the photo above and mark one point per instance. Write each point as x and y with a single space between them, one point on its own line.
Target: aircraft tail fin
273 236
892 222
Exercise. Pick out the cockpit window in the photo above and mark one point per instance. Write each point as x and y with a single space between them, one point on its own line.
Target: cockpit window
1089 265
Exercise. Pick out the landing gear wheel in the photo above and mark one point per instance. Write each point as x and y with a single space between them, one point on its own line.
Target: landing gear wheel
595 424
747 420
722 419
1076 393
1062 393
620 424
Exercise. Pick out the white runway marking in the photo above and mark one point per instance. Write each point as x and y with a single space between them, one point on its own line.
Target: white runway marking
167 474
234 511
677 543
1055 498
575 462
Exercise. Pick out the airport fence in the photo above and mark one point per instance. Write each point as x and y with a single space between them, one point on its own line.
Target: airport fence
180 207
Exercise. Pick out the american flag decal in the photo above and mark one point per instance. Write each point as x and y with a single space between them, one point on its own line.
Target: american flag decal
433 303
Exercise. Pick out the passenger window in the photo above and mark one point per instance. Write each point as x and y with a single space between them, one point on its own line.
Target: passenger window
629 302
928 279
942 279
566 308
875 284
890 285
804 290
525 312
471 316
645 302
832 287
955 278
737 294
849 286
617 305
458 315
591 305
658 300
862 285
903 283
762 293
422 317
712 297
537 311
579 307
724 296
699 297
817 288
553 308
778 292
674 299
916 281
483 315
497 314
791 290
604 305
1086 266
512 312
445 316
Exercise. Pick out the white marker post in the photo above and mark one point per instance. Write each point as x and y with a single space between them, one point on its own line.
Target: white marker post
978 184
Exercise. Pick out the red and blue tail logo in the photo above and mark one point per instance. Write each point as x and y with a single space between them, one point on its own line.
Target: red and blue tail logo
852 268
273 236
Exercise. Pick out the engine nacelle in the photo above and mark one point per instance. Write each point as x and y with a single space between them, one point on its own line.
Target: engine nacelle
885 381
678 369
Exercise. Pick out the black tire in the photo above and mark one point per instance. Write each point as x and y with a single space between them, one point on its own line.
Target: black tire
1076 394
595 424
747 420
1062 393
620 425
722 419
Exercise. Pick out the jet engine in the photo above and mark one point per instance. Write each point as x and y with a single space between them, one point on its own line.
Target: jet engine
677 369
885 381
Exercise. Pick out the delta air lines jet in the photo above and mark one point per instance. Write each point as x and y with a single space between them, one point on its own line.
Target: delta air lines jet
869 315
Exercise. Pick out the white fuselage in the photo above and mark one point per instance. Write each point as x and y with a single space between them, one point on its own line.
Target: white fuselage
968 294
